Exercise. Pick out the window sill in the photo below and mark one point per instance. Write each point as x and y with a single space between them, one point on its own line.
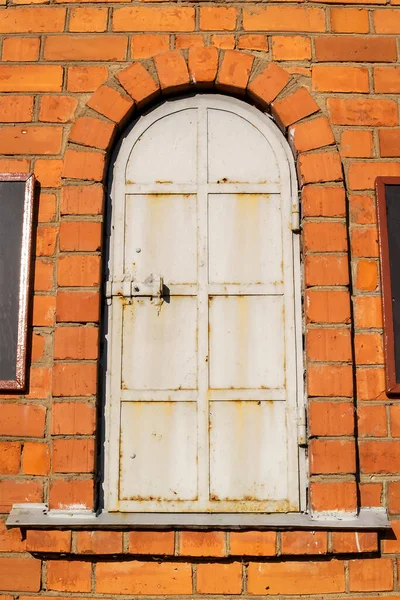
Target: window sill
38 516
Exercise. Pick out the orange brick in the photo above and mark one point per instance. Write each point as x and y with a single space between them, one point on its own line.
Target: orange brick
48 172
11 540
143 578
320 167
73 418
36 459
88 19
203 64
371 384
85 79
234 71
327 306
15 492
304 542
14 165
331 418
172 70
146 18
10 458
39 382
339 79
335 495
253 42
392 545
372 421
94 48
349 541
362 111
362 209
30 139
38 343
74 379
253 543
32 20
78 271
367 275
152 542
387 79
73 455
139 84
69 576
43 311
76 343
189 40
369 348
296 577
286 47
218 18
311 134
99 542
82 200
89 131
46 239
356 143
325 237
364 242
71 494
48 541
57 109
197 543
83 165
332 456
370 494
362 177
349 20
345 48
294 107
78 307
323 201
266 86
148 45
22 574
379 457
16 109
219 578
47 208
389 142
224 41
43 275
329 345
327 269
367 311
80 236
18 49
395 420
386 21
283 18
371 575
22 420
330 380
111 103
32 78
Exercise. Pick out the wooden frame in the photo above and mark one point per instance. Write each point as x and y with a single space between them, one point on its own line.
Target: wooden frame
390 330
15 327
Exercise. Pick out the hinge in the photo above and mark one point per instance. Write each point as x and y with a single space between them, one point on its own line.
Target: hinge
301 426
129 288
295 221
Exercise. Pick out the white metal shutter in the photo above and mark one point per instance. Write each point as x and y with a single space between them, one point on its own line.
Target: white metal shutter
202 362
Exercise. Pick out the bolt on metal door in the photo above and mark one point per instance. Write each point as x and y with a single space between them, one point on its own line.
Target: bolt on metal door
203 383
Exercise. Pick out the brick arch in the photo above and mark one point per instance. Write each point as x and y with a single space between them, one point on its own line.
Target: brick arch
329 360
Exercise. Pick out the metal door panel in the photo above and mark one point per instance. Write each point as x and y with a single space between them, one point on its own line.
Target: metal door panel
245 239
159 350
166 152
158 451
237 151
247 342
248 454
160 237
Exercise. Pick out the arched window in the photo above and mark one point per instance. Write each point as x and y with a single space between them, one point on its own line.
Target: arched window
204 374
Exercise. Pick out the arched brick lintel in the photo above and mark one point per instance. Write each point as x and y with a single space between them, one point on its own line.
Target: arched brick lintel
320 174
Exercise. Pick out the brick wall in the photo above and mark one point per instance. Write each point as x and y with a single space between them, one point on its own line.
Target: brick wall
71 76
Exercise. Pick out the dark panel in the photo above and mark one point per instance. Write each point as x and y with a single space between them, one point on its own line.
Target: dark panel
393 225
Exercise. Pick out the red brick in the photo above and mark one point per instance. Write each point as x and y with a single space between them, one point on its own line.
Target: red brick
320 167
330 380
335 495
389 140
39 382
30 139
15 492
11 540
88 19
379 457
370 575
219 578
218 18
323 201
371 384
78 307
362 111
47 208
71 494
286 47
16 109
395 420
367 311
32 78
149 578
73 455
38 345
73 418
349 541
329 345
387 79
386 21
327 306
370 494
80 236
22 420
148 45
355 49
14 165
76 343
10 458
294 107
364 242
349 20
85 79
331 418
18 49
69 576
252 543
152 542
203 64
366 275
332 456
111 103
74 379
357 143
283 18
99 542
339 79
82 200
362 177
57 109
48 541
392 545
78 271
197 543
48 172
311 134
84 47
43 311
95 133
372 421
46 240
36 458
296 577
234 71
172 70
320 269
368 348
20 574
325 237
146 18
138 82
83 165
304 542
266 86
